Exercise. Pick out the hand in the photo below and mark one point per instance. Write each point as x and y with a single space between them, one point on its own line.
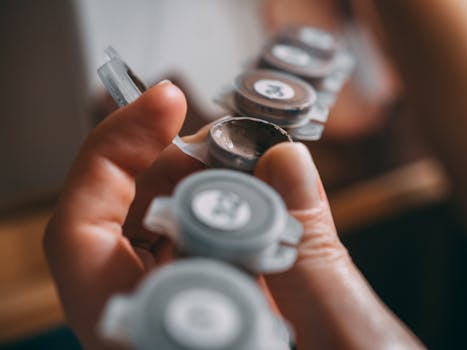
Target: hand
96 246
90 255
324 296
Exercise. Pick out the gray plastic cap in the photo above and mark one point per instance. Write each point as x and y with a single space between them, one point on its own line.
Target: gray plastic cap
231 216
195 304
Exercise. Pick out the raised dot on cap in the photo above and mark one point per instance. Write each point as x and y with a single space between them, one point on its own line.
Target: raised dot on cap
277 97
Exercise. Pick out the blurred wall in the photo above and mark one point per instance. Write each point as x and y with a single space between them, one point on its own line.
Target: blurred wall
205 41
41 96
49 53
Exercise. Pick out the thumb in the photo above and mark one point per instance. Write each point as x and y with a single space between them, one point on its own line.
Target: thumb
289 169
324 295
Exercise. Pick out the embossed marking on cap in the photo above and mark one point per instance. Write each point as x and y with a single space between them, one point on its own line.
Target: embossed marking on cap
201 318
224 210
274 89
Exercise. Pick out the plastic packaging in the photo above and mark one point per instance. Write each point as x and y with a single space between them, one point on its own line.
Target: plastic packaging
279 98
296 60
231 216
194 304
312 54
125 87
235 143
314 40
121 83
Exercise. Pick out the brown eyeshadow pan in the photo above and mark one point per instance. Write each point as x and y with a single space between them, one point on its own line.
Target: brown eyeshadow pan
274 96
238 142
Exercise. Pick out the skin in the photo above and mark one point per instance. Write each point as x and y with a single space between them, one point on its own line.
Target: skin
96 247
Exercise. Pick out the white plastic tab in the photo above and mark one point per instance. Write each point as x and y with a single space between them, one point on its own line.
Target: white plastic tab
159 217
114 324
309 132
319 112
198 150
293 232
278 260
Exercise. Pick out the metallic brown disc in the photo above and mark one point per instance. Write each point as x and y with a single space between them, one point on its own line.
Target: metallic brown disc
296 60
316 41
238 142
274 96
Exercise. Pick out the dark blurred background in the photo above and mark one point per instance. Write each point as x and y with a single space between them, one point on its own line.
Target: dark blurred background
391 191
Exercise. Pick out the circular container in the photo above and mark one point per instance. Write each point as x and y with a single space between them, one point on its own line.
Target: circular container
274 96
296 60
317 42
228 215
194 304
238 142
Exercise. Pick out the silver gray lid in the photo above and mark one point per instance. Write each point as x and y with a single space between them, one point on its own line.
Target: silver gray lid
238 142
228 214
231 216
195 304
315 40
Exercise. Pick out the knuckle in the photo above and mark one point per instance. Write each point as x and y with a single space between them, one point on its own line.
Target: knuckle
320 243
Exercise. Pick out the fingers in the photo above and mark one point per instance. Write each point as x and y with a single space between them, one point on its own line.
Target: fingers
125 144
87 253
159 180
324 296
298 182
289 169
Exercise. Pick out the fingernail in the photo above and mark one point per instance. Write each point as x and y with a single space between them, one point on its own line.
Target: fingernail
290 170
165 81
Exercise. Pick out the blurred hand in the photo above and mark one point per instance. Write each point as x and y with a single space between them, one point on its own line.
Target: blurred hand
96 245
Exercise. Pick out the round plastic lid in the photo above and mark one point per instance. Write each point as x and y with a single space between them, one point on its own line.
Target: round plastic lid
201 318
196 304
227 214
293 59
274 96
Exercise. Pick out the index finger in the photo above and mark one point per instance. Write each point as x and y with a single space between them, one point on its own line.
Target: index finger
121 147
87 253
